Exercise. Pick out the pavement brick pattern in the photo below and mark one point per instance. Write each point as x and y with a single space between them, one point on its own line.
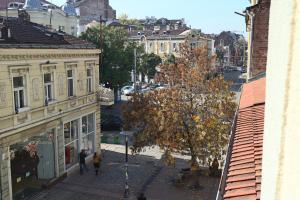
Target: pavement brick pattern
146 174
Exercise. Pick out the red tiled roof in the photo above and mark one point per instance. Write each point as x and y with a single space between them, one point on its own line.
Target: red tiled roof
244 173
253 93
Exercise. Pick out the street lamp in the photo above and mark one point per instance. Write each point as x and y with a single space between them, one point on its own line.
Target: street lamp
126 134
134 78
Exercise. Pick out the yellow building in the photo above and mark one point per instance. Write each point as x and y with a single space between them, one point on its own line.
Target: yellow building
164 43
49 108
41 12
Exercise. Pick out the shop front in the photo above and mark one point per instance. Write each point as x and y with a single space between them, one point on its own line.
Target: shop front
32 164
79 134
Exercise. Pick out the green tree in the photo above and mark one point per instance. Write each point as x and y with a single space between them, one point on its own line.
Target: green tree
124 19
192 116
148 64
171 59
118 57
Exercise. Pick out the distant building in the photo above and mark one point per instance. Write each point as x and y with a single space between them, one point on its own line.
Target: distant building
233 46
49 108
45 13
151 23
91 10
167 42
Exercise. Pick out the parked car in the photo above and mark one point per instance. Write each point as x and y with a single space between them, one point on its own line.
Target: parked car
126 90
162 87
145 90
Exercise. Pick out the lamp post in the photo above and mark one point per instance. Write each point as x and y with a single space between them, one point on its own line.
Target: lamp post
134 78
126 191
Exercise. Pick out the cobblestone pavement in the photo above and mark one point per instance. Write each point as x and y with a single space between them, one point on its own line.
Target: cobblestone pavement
146 174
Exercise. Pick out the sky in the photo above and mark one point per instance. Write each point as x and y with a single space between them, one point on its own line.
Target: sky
211 16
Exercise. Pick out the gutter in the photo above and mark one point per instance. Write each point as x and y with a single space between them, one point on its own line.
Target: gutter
222 184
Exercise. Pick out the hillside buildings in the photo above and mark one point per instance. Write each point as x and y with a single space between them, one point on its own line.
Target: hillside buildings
73 17
49 108
42 12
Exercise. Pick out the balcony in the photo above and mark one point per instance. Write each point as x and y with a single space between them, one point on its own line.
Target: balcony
105 96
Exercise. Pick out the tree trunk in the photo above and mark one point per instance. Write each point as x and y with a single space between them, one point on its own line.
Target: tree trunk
194 163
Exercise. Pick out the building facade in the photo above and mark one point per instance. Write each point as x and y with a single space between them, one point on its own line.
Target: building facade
257 19
42 12
91 10
165 43
49 108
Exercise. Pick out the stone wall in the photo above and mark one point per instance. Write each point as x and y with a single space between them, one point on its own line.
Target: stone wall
260 37
4 175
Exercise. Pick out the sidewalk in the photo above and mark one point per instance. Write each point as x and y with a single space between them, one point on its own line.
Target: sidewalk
146 174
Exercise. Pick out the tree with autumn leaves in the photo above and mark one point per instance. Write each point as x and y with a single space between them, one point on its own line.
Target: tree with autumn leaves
193 115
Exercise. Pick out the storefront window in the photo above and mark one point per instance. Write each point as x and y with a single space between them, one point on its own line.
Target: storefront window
84 125
32 162
79 136
71 143
88 133
91 124
71 154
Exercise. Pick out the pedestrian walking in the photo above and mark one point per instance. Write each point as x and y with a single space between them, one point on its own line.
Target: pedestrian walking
141 197
82 157
97 161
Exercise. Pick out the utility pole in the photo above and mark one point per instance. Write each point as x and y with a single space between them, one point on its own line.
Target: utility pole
134 78
51 18
100 47
6 10
126 191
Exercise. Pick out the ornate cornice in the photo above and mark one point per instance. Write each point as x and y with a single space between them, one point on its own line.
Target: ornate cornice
46 56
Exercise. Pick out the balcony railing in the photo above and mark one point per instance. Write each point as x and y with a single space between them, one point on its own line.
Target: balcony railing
105 96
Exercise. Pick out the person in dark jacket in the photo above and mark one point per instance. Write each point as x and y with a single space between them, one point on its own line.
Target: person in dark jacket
82 157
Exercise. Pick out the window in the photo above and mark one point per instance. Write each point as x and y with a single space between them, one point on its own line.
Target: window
71 143
88 133
19 92
150 47
175 47
73 31
162 47
48 83
70 83
89 74
61 28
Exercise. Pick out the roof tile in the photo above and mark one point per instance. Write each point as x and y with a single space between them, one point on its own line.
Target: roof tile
244 174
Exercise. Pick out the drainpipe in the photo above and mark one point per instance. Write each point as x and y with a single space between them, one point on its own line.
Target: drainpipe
250 51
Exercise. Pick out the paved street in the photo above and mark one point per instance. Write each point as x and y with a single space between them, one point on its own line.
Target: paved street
147 174
236 78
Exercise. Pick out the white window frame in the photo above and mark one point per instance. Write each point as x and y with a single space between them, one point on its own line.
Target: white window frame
75 140
18 89
46 87
162 47
90 80
175 47
73 80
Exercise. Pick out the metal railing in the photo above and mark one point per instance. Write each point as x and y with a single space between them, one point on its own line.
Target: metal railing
105 96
